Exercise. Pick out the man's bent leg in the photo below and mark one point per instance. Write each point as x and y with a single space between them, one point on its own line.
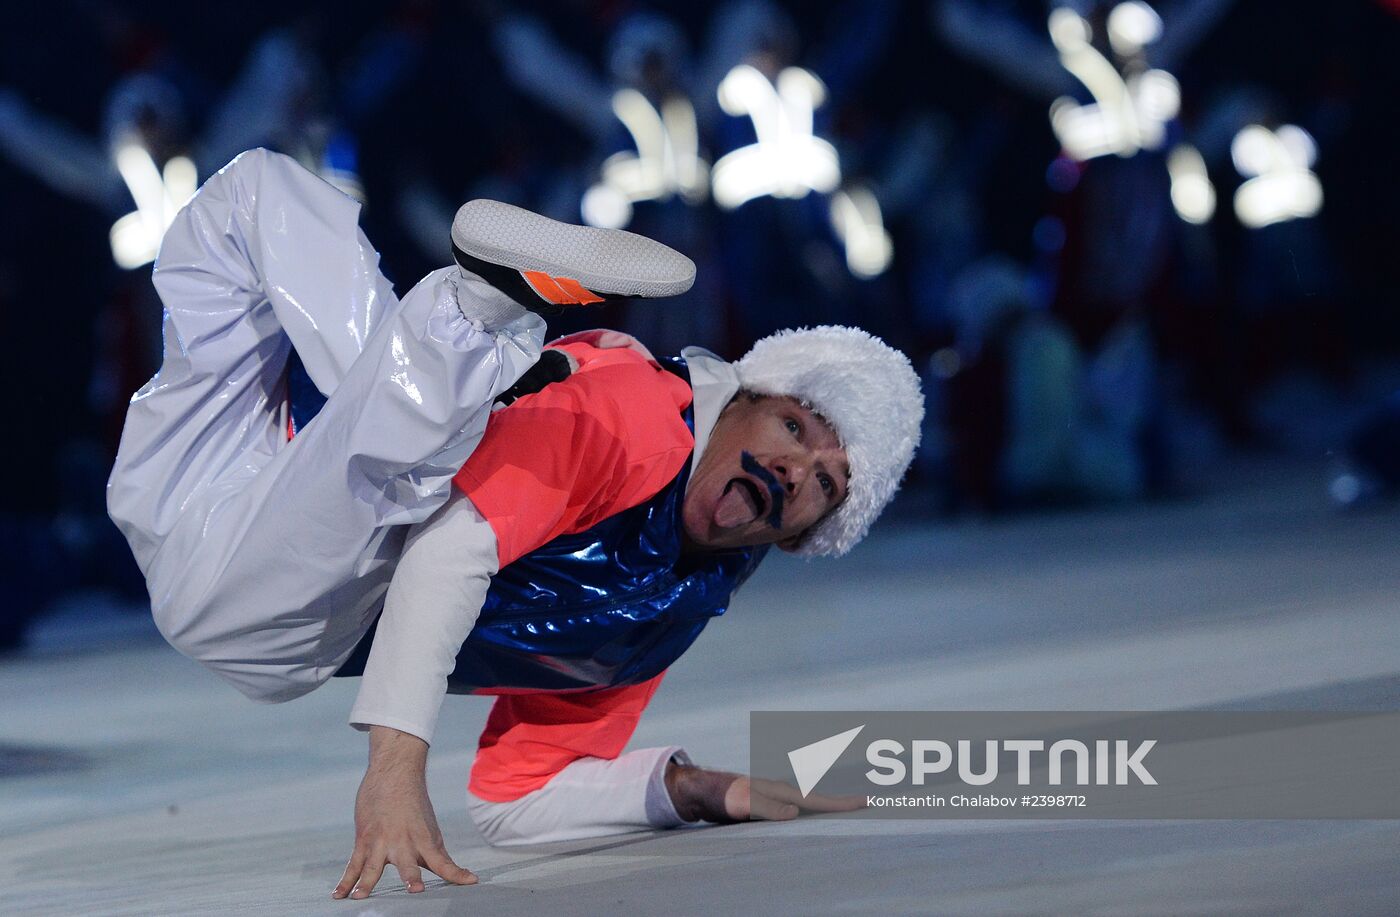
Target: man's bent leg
592 797
264 557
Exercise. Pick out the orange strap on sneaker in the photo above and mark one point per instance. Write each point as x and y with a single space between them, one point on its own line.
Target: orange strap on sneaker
562 291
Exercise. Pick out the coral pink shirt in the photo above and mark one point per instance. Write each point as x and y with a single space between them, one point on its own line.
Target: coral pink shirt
557 462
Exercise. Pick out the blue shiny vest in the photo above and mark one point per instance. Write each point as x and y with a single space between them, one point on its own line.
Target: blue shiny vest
613 605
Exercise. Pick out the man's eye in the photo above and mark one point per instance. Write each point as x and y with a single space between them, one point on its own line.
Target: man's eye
793 426
828 486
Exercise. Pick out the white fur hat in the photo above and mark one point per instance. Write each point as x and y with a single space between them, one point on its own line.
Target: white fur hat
869 394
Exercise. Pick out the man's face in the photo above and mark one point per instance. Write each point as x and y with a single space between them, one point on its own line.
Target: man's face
771 470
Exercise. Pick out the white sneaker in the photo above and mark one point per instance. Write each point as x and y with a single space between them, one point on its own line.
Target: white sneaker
545 265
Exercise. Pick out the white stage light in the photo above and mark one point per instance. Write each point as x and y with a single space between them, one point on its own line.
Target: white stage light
1193 195
787 160
1281 186
856 219
666 162
1133 26
1127 114
1068 29
606 206
132 245
1299 143
136 237
181 181
1252 150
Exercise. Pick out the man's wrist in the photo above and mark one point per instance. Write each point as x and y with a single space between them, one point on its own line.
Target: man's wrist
698 793
393 749
365 720
674 788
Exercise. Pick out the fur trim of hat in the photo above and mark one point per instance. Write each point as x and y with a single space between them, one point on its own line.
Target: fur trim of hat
870 395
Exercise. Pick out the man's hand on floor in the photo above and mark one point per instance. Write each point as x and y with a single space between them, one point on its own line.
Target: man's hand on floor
394 820
719 796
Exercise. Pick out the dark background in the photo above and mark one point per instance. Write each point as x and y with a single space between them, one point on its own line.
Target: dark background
1022 284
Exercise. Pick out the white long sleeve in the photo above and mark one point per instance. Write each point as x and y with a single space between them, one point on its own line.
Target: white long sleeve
431 607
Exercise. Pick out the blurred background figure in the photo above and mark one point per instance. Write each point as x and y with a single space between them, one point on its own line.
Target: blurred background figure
646 170
1369 469
146 160
1126 243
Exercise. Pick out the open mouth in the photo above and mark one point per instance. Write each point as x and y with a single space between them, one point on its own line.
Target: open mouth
740 503
750 496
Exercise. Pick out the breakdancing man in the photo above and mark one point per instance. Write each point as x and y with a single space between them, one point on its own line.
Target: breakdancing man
315 483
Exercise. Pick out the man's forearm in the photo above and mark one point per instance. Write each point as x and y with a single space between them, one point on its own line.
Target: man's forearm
431 606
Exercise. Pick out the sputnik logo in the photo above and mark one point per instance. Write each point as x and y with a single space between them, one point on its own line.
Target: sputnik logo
811 762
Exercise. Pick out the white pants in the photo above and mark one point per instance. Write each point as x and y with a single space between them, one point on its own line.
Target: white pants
267 558
592 797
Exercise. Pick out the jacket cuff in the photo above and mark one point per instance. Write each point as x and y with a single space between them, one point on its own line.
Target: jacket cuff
660 809
362 720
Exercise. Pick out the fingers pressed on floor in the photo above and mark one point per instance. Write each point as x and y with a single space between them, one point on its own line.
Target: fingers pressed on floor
447 869
766 808
368 879
352 872
412 878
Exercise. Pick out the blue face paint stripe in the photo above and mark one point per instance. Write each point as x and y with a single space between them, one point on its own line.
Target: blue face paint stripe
752 466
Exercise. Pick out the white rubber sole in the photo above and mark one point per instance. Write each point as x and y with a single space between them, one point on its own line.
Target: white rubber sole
603 260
